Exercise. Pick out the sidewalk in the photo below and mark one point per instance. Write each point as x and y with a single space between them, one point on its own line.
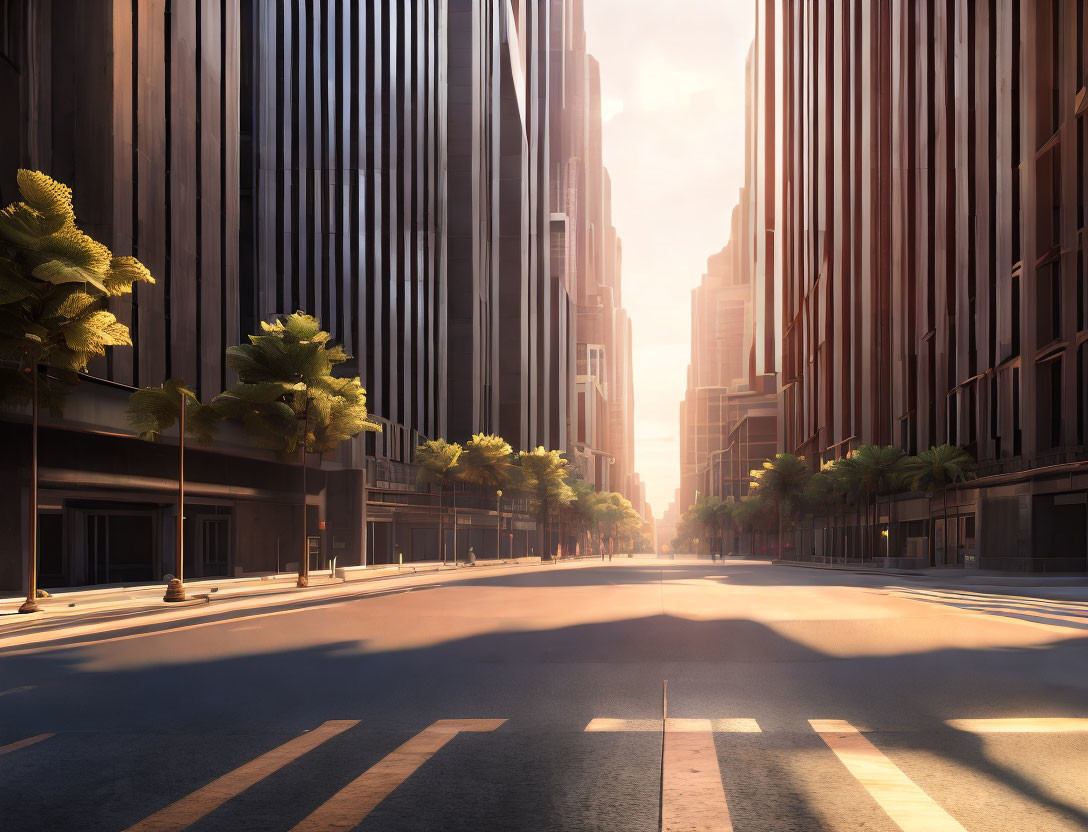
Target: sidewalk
973 577
109 614
72 601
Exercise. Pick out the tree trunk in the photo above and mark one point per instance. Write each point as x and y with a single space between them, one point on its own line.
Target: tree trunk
304 565
781 526
869 525
31 602
441 526
944 512
932 537
175 590
827 524
540 537
860 540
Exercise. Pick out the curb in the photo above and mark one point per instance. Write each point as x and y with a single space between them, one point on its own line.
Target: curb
854 570
1016 579
149 598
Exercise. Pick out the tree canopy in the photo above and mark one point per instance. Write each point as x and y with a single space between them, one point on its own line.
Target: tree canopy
55 286
287 395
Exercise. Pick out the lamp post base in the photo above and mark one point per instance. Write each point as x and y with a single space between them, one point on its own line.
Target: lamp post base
29 606
175 591
303 581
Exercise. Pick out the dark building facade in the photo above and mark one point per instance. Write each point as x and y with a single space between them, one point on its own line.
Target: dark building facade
924 273
386 166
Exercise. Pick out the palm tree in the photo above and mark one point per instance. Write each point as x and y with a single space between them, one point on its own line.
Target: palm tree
55 286
751 515
706 513
934 471
724 516
487 463
782 482
601 510
437 460
288 399
821 495
543 480
875 470
153 410
848 484
586 504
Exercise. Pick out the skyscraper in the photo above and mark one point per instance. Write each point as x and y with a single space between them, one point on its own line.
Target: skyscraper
400 169
925 184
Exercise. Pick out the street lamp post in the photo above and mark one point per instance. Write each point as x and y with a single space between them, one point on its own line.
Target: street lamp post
498 525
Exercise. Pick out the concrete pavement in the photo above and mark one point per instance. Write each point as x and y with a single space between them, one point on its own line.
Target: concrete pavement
532 699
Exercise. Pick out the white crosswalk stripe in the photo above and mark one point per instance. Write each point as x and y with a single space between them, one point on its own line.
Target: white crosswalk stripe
906 804
693 793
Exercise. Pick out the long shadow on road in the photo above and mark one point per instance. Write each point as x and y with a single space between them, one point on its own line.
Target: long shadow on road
143 722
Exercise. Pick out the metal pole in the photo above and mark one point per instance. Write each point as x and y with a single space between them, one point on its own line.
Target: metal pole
304 567
175 589
498 525
31 602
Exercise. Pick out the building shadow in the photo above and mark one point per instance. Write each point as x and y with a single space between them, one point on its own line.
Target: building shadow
548 684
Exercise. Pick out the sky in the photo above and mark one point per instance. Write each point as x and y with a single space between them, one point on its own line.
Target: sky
672 91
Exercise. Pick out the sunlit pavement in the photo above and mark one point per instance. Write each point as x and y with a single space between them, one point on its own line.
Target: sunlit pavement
532 699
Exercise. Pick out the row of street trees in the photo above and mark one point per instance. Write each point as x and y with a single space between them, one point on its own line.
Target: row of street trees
286 399
554 490
55 286
785 489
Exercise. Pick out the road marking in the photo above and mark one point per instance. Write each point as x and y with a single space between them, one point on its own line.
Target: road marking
1016 609
347 808
721 726
189 810
906 804
15 746
617 725
1022 725
17 690
735 726
692 794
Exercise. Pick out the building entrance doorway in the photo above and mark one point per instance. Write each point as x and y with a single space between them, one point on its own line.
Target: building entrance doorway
120 547
214 547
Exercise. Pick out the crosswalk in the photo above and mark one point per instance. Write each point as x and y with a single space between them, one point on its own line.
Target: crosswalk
692 780
1050 614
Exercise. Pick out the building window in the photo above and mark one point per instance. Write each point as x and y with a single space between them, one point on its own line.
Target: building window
1048 212
1048 304
1048 401
1082 394
1017 434
1014 67
1014 322
1047 67
1082 290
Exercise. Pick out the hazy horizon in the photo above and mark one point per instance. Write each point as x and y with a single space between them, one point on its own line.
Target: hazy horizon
672 91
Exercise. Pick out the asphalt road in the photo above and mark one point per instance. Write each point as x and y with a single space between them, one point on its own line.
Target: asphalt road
797 700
